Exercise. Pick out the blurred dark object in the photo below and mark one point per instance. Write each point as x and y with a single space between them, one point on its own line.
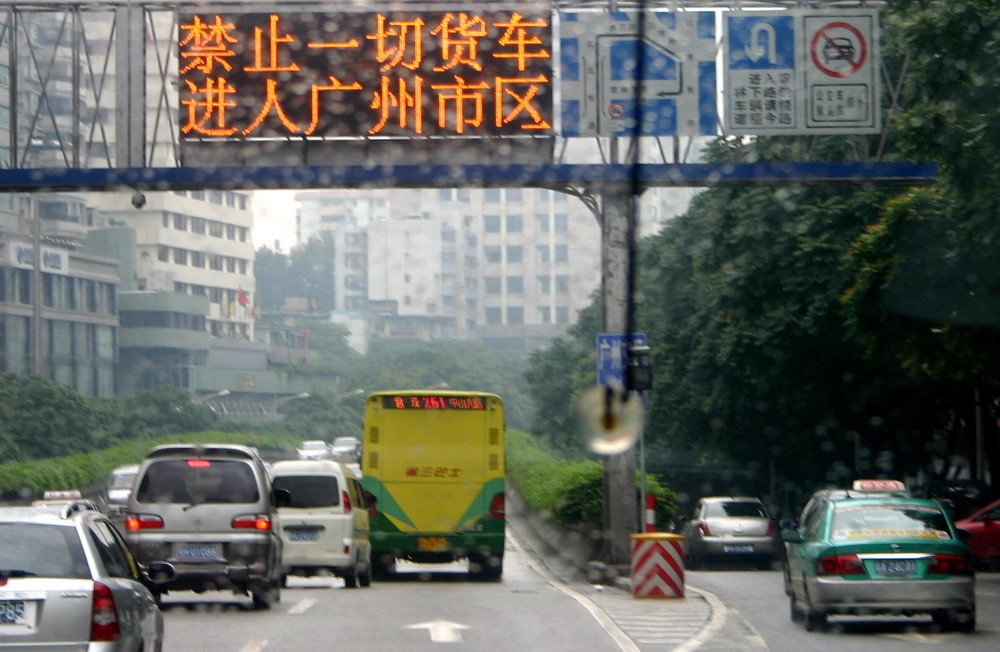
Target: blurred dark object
959 497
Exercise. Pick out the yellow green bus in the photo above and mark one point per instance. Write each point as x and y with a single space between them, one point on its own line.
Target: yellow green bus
434 471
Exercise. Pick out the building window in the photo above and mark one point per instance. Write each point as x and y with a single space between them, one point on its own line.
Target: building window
562 284
492 284
491 223
197 225
491 195
230 264
515 224
544 285
215 262
562 315
562 253
180 222
230 232
492 254
515 253
542 223
163 253
180 256
544 315
215 228
494 316
515 285
515 315
543 253
561 222
165 220
197 259
514 194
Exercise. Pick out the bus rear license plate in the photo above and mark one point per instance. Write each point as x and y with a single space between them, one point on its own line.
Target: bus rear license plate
198 551
432 544
12 612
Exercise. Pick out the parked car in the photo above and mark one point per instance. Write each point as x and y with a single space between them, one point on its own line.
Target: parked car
346 449
325 525
209 509
983 527
730 528
877 552
315 450
119 488
69 581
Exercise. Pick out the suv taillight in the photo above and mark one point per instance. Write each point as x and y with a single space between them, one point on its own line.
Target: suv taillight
840 565
703 526
136 522
251 522
103 615
347 501
950 565
498 507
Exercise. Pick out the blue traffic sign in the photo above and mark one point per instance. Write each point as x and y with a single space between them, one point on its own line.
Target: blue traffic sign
612 356
759 42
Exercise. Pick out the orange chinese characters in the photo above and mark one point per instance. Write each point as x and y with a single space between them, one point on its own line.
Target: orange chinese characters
207 45
467 101
460 41
516 36
404 104
514 89
270 49
208 116
395 39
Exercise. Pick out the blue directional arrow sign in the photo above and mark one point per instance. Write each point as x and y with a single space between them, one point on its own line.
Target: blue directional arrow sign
762 90
612 356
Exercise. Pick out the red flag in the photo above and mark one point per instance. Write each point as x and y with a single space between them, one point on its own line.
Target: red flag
242 298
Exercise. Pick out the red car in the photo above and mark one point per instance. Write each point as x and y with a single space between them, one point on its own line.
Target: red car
984 529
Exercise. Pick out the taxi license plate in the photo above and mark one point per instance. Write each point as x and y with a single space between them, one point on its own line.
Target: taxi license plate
434 544
303 535
198 551
896 567
737 548
13 612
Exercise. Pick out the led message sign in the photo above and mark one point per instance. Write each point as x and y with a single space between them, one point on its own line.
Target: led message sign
419 402
351 75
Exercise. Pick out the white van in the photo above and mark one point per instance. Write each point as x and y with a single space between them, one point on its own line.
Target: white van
325 526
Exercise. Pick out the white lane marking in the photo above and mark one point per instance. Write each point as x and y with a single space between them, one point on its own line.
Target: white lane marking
625 643
255 645
715 622
442 631
301 606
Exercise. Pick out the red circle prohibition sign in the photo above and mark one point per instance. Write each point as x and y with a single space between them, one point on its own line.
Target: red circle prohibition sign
828 50
616 110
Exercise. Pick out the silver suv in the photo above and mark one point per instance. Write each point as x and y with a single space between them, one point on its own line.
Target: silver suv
210 511
68 580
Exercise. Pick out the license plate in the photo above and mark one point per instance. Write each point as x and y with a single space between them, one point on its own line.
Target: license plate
737 548
198 551
303 535
12 612
435 544
896 567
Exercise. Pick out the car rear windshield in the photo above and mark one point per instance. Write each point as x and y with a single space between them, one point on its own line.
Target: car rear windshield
122 481
909 521
40 550
309 491
743 509
198 481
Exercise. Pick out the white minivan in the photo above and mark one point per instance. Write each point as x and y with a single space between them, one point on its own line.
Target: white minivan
325 526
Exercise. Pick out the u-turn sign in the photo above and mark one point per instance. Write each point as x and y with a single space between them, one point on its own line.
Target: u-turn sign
801 72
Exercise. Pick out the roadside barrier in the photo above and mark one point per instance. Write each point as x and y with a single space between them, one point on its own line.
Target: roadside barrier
657 569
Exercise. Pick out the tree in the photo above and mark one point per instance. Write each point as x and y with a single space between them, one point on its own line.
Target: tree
166 410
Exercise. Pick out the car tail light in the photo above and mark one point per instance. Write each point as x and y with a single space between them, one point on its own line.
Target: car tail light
950 565
347 501
136 522
251 522
199 464
103 615
840 565
703 526
772 528
498 506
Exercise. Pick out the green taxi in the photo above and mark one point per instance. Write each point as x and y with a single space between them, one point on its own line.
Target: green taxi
873 549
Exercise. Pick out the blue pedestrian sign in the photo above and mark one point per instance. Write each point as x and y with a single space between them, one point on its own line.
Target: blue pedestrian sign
612 356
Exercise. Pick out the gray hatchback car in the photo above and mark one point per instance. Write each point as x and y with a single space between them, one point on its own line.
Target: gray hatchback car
210 511
730 528
69 581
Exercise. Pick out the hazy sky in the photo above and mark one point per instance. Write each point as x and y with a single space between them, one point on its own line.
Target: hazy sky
274 219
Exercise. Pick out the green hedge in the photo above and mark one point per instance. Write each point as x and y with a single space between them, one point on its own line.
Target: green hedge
25 480
572 492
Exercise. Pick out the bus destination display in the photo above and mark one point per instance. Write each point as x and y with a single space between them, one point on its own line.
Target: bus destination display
420 402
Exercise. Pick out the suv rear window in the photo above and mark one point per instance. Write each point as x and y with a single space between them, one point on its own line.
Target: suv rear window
744 509
42 550
198 481
310 491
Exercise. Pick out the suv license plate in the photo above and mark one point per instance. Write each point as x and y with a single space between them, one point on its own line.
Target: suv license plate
303 535
12 612
434 544
198 551
896 567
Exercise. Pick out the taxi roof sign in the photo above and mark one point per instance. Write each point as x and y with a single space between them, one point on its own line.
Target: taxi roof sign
878 485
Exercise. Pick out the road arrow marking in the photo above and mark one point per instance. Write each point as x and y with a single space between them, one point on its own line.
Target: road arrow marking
442 631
